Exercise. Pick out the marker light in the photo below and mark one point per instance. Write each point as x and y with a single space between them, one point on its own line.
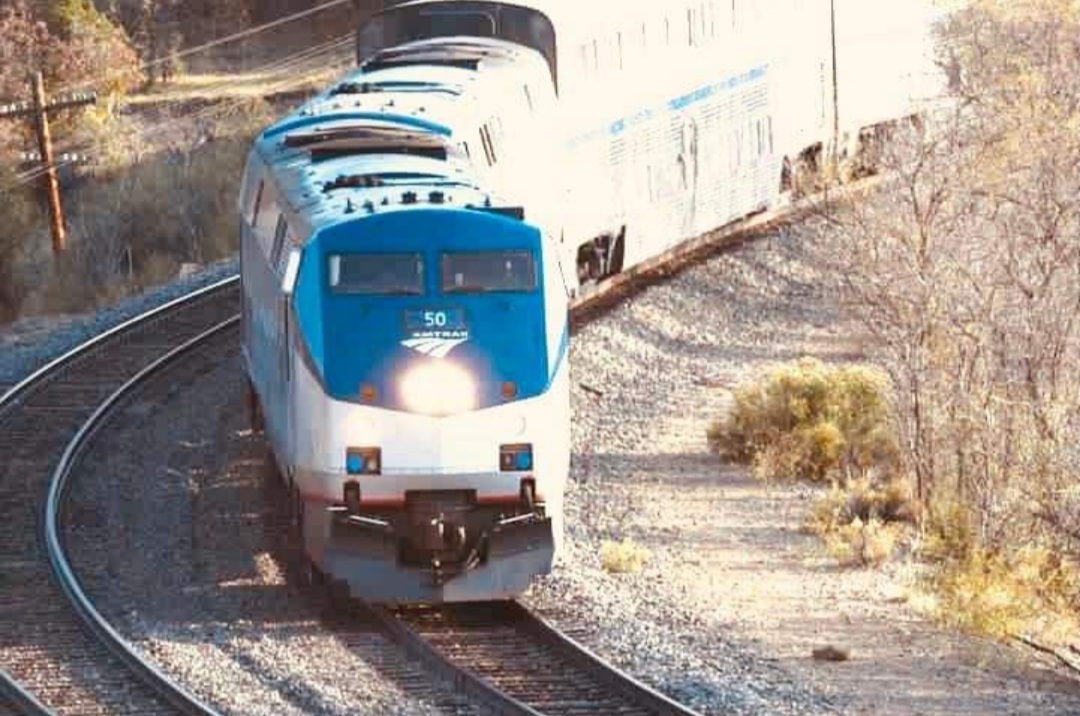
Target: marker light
515 458
368 393
438 388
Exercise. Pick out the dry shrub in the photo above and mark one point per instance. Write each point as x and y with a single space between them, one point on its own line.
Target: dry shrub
863 523
135 231
16 229
862 500
864 543
117 138
1029 591
810 421
949 533
962 274
623 557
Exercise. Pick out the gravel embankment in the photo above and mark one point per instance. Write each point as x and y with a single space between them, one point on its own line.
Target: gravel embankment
735 598
30 343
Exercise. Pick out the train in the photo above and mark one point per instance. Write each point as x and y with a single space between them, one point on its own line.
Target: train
411 239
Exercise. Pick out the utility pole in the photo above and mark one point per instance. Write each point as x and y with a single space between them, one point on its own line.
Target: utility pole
38 111
835 91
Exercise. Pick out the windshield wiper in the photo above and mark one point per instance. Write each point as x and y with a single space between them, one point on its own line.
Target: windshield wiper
401 292
466 289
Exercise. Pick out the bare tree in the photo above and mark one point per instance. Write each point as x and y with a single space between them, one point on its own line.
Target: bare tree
965 271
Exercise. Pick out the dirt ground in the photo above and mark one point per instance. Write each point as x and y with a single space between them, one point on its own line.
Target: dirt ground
733 548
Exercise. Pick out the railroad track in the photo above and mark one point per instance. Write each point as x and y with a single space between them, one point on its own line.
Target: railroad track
516 664
45 646
75 663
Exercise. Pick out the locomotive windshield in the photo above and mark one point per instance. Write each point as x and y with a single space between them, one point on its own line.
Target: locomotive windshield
377 274
483 272
422 21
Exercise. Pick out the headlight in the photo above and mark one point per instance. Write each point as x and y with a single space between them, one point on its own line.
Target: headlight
438 388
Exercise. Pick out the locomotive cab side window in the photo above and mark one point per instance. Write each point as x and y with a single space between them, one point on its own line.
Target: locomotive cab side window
488 271
279 240
258 201
376 274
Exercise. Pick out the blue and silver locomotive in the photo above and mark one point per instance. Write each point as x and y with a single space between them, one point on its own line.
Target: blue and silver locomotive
405 334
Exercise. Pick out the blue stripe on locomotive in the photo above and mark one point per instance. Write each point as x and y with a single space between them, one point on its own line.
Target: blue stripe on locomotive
355 340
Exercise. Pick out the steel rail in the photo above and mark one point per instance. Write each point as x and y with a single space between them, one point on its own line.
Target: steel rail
462 680
577 659
601 670
20 698
10 398
62 571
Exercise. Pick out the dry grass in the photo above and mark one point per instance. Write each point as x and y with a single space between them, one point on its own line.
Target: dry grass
224 86
862 523
623 557
864 544
146 212
1030 591
862 500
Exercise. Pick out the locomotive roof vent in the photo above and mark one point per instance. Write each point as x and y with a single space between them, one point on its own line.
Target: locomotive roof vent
351 140
465 62
352 87
353 181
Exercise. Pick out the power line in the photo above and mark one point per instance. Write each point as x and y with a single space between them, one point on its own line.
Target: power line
290 62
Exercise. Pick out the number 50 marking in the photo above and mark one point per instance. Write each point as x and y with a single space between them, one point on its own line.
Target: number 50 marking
434 319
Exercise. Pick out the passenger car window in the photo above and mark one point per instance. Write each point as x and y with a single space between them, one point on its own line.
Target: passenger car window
483 272
377 274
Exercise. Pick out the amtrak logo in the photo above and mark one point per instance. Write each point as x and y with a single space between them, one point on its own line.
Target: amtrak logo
436 344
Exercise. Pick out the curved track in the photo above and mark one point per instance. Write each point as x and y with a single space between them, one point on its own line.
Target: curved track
44 645
516 664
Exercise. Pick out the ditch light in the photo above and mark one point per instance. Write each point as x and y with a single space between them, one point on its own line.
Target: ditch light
363 461
515 458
